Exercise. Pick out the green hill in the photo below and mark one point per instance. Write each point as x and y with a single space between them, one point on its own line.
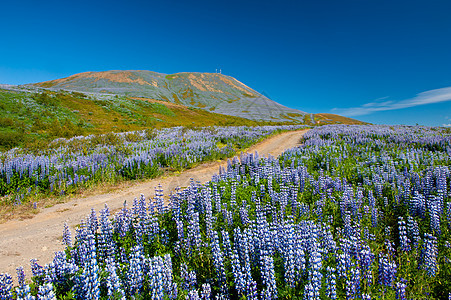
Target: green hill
32 119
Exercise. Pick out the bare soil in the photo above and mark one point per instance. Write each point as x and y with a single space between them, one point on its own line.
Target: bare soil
40 236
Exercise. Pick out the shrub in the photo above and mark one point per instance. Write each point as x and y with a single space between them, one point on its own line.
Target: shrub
11 139
6 122
46 100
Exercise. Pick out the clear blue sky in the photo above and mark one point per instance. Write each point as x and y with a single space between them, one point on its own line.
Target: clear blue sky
378 61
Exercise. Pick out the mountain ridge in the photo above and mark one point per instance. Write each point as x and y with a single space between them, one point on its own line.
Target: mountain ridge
209 91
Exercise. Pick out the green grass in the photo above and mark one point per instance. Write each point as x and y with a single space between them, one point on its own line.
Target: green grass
162 109
170 77
32 120
325 118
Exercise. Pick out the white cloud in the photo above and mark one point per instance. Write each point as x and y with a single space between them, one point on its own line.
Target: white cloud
424 98
446 125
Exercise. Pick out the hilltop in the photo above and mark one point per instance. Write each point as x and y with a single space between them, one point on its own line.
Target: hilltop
209 91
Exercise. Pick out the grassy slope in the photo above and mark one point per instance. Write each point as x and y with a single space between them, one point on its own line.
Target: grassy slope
32 120
325 118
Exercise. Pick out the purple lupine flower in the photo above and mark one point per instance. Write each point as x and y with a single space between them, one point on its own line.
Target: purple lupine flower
67 236
387 270
218 262
23 293
366 297
389 247
244 215
353 283
92 223
88 283
113 282
309 293
366 261
243 250
156 278
251 290
170 285
192 295
36 269
401 290
226 243
434 214
240 282
57 271
20 276
194 237
331 291
448 216
418 205
413 231
159 199
268 278
6 286
403 240
23 290
343 263
46 292
205 294
429 254
315 275
106 243
289 256
208 213
192 279
123 221
135 272
184 275
374 216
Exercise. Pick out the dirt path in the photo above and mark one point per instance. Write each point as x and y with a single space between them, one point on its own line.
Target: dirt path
40 237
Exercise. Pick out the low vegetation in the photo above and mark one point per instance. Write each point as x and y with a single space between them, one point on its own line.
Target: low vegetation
357 212
32 120
67 166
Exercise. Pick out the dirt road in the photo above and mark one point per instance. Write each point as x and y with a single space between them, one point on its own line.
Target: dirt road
40 237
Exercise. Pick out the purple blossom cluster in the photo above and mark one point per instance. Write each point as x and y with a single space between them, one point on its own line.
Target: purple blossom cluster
71 165
357 212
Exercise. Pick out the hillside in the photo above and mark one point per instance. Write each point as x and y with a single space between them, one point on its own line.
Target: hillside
324 118
209 91
32 119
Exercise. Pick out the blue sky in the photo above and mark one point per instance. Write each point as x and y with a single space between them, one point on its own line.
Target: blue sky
378 61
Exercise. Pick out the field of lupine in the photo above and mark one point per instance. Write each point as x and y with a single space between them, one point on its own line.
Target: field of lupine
357 212
68 165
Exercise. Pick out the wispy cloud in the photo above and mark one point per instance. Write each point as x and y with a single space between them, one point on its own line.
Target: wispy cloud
446 125
424 98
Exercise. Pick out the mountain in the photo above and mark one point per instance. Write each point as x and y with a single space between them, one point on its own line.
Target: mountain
209 91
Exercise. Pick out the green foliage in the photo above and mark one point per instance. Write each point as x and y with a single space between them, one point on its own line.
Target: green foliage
46 100
11 139
66 129
162 109
6 122
39 118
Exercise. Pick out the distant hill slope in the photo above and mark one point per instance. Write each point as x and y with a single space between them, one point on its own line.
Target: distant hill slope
32 119
210 91
325 118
